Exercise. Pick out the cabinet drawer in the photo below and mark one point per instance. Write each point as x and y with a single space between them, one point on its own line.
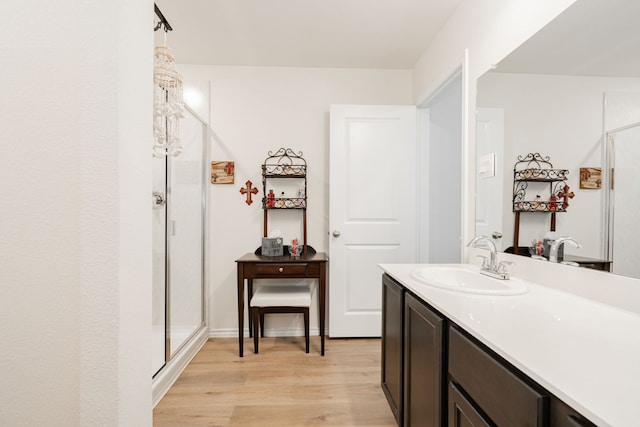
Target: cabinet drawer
564 416
271 270
505 398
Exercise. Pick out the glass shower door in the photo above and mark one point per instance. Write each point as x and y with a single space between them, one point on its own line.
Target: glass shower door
179 203
186 234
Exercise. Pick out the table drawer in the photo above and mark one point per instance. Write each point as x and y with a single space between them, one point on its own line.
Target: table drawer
271 270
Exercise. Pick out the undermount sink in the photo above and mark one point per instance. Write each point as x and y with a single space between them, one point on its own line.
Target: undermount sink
467 279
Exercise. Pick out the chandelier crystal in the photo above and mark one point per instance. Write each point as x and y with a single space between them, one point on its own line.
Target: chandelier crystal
168 104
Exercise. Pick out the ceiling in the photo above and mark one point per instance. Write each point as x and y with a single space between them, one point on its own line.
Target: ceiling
590 38
387 34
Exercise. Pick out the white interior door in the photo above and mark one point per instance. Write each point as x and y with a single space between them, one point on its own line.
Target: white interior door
372 209
490 173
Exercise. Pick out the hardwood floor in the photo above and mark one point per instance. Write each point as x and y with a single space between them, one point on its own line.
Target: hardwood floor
282 386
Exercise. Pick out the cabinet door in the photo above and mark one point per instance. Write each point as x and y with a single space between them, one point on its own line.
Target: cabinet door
392 338
461 412
423 364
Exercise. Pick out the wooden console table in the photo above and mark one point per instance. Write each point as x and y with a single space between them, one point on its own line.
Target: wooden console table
252 266
595 264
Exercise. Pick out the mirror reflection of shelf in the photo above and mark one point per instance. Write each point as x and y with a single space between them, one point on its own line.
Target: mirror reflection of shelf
284 171
538 206
541 175
534 168
551 202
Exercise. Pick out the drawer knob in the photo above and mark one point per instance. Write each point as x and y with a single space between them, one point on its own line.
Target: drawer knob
281 269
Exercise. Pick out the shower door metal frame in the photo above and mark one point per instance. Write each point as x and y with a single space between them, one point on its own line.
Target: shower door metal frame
169 355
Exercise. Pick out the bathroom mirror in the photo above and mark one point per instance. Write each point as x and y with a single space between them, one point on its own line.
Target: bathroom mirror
558 94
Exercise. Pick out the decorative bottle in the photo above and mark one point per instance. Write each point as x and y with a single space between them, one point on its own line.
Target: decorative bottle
271 202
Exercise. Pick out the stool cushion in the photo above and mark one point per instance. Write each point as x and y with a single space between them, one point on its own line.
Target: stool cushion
282 296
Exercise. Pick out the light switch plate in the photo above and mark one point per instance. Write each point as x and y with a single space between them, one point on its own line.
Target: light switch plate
487 166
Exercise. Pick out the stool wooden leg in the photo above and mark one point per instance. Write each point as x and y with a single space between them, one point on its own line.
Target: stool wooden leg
256 319
261 323
306 329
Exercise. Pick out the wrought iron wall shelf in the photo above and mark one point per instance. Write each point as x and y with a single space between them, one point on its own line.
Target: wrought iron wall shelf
285 164
534 168
540 175
285 203
284 171
521 204
542 207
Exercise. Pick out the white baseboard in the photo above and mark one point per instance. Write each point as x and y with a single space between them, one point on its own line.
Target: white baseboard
170 373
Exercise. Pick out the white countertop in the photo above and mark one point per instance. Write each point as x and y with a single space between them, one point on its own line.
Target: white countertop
585 352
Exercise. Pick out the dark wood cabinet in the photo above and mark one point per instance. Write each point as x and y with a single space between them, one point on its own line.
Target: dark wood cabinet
564 416
392 344
423 364
493 388
413 374
461 411
436 374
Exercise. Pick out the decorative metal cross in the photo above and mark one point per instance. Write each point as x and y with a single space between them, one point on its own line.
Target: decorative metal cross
248 190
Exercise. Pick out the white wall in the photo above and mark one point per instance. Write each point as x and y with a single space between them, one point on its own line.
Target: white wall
560 117
259 109
75 248
444 171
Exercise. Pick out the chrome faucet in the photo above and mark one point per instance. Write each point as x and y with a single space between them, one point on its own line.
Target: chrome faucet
555 247
491 268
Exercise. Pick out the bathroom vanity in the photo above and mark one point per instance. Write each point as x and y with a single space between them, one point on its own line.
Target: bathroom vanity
544 357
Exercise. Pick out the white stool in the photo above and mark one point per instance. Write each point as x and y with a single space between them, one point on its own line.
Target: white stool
279 299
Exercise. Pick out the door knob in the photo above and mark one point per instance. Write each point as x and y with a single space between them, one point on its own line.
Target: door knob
158 199
496 235
336 233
